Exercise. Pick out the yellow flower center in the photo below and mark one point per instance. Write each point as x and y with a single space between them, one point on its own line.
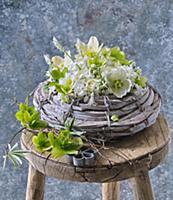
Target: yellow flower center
118 84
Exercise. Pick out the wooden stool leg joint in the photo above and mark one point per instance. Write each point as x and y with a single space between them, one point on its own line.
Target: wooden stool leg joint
35 185
111 191
143 188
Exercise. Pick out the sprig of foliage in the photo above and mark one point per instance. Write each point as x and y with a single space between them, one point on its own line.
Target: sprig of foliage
41 142
58 145
139 79
57 73
64 143
62 88
30 117
117 55
14 154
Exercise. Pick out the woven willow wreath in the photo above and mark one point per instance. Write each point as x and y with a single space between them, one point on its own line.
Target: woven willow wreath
101 88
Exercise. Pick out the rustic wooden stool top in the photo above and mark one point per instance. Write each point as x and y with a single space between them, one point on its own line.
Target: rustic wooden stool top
128 157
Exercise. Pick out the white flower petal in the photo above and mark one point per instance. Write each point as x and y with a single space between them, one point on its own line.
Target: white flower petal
93 43
57 44
67 60
47 59
80 46
57 60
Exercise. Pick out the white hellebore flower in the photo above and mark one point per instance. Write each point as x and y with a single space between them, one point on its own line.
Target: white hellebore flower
118 81
57 60
93 45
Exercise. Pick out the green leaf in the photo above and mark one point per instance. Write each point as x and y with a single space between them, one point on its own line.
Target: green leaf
116 52
19 115
51 138
33 124
72 152
31 110
105 52
78 141
57 152
30 117
115 118
77 133
22 106
96 61
35 116
69 124
67 87
60 88
141 81
119 56
38 124
41 142
61 144
51 84
26 116
27 101
57 73
42 124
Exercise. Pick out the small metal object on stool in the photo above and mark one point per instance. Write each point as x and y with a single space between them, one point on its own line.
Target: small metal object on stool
128 157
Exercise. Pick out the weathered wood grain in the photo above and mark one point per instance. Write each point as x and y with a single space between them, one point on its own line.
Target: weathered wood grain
143 187
111 191
35 185
119 160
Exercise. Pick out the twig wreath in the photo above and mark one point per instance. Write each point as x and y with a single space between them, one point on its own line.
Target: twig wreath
90 98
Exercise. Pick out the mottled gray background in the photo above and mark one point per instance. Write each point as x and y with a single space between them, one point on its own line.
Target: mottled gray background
143 28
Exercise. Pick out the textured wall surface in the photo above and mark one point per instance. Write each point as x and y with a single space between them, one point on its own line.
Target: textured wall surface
142 28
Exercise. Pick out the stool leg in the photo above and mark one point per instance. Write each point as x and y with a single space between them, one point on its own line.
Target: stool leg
143 189
35 185
111 191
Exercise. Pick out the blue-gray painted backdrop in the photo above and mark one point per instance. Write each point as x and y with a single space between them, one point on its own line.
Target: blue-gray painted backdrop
142 28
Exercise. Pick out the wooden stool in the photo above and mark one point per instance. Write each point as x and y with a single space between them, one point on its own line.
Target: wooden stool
128 157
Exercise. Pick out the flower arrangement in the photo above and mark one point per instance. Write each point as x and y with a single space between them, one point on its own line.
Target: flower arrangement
95 70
